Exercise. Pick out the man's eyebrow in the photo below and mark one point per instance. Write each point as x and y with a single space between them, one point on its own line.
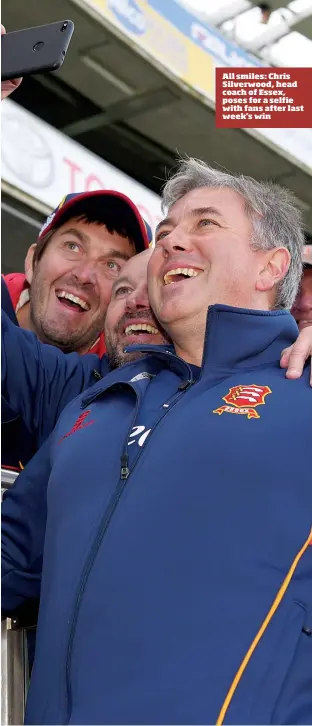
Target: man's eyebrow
167 220
194 213
206 210
76 233
112 252
122 280
118 254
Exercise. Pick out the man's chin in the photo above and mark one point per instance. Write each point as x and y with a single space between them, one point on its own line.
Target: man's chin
63 337
173 310
119 358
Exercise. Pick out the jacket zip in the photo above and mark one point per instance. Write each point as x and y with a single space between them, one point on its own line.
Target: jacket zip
89 564
125 471
183 387
124 476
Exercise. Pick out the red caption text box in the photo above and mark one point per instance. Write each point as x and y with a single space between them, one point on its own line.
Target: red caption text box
263 98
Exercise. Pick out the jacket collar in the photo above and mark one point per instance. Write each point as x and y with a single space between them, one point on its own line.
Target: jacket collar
238 338
235 339
138 372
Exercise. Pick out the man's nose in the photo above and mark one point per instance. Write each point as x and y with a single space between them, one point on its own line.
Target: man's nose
86 273
305 300
138 299
304 296
178 240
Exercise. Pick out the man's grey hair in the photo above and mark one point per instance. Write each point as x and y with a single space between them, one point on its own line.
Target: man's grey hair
275 215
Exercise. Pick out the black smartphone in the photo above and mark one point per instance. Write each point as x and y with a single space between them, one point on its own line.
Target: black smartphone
35 50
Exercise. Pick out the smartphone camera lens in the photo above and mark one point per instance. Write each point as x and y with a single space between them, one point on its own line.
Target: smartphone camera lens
38 46
64 26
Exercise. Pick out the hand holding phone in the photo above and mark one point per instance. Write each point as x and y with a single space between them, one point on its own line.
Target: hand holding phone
34 50
7 87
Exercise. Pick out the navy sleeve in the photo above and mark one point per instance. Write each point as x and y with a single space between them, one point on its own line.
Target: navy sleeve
24 513
38 380
6 302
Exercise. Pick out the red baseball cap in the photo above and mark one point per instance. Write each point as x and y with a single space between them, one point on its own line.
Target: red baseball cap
105 203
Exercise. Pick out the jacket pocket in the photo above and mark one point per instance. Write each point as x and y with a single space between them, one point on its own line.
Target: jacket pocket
259 690
294 703
278 661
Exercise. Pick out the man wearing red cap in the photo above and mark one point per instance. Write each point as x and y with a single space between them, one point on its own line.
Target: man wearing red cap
69 271
65 291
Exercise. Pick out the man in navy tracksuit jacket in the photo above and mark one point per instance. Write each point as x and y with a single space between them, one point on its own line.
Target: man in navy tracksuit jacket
164 523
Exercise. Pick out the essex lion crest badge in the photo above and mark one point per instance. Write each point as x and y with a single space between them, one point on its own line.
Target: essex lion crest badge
243 400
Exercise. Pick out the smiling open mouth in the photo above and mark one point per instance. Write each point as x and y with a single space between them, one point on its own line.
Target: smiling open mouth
138 328
72 301
180 273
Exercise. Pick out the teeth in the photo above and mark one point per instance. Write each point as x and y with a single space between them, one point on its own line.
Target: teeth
74 299
187 271
143 326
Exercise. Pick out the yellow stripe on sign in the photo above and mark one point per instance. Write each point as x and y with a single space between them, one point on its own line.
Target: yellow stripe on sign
163 42
201 74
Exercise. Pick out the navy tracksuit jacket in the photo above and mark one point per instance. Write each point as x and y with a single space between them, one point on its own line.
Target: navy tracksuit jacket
167 523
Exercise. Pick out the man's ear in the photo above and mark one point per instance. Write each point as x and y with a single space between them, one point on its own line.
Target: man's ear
29 270
277 263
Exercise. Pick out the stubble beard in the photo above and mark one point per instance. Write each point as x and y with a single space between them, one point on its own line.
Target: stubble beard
50 333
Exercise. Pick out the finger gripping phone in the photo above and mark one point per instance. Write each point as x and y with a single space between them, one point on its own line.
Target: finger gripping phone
35 50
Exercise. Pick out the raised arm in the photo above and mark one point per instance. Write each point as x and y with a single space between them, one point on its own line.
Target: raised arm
24 513
38 380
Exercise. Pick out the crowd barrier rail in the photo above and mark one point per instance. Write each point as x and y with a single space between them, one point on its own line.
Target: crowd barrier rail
14 665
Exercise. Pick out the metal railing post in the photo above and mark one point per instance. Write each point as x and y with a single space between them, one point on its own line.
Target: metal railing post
13 674
14 662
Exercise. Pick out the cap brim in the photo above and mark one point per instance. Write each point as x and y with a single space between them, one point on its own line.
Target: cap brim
138 228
